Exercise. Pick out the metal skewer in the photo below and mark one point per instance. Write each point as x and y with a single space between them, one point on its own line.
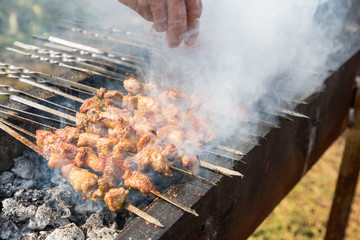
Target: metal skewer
62 64
47 77
26 120
143 214
186 209
46 88
11 89
40 107
188 173
35 115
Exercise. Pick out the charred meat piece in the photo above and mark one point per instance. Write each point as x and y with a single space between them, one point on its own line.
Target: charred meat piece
123 148
140 181
81 120
130 102
115 198
105 146
114 116
86 157
133 86
92 103
63 149
57 161
148 103
44 138
88 140
121 131
97 128
68 134
170 134
112 97
115 169
82 180
151 156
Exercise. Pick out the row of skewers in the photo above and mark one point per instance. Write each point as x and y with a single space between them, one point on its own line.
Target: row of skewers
141 121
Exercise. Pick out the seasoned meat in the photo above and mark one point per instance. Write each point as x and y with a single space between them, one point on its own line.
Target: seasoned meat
115 198
88 140
123 147
151 156
139 181
92 103
148 103
44 138
113 98
105 146
130 102
170 134
86 157
68 134
83 181
133 86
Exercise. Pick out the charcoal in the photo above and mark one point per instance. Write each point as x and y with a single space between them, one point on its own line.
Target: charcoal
23 167
102 233
94 221
24 183
64 192
60 222
29 236
6 190
67 232
49 212
16 211
32 196
8 230
6 177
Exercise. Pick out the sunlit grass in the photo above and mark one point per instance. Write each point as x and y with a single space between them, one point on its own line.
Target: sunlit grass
303 214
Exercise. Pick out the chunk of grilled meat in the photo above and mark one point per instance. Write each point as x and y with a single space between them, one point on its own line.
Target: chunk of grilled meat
86 157
133 86
151 156
115 198
68 134
82 180
139 181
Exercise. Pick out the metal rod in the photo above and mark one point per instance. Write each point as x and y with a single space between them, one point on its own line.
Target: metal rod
61 64
229 149
163 197
188 173
41 107
49 89
47 77
27 120
36 115
11 89
222 155
20 138
143 215
17 128
222 170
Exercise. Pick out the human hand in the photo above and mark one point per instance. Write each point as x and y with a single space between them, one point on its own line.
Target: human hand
179 18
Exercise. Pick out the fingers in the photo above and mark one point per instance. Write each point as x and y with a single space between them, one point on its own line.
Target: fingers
159 12
194 9
177 20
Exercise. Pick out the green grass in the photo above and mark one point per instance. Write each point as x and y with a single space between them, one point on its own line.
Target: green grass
304 212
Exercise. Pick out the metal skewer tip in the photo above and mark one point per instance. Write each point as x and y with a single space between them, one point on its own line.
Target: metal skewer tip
186 209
